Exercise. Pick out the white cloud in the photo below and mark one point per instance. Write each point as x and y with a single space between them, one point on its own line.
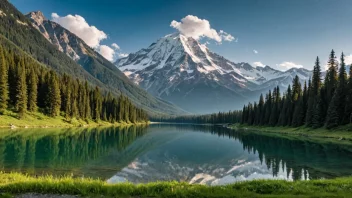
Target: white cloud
192 26
115 46
255 51
122 55
89 34
226 36
107 52
258 64
348 59
288 65
111 53
78 25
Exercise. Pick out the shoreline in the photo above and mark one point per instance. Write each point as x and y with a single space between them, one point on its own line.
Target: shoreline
340 134
73 126
40 121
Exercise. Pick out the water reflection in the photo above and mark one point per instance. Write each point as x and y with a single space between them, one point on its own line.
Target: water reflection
215 155
196 154
64 151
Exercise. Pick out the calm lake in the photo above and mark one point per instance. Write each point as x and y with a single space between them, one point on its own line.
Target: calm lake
196 154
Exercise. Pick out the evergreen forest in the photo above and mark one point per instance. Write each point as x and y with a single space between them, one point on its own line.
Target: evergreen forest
27 86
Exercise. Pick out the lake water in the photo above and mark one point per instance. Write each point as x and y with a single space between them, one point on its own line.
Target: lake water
196 154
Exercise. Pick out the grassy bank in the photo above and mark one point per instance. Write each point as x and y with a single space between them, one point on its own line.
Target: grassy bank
39 120
14 184
339 133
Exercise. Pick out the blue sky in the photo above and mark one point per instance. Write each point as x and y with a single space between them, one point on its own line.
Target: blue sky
291 31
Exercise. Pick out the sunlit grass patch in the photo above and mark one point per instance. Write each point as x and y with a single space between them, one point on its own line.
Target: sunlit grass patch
16 183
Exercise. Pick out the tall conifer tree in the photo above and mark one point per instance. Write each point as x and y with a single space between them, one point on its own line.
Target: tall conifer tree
4 87
32 91
21 90
337 105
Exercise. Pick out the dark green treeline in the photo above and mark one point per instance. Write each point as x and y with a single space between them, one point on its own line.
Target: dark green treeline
221 117
55 151
26 86
315 104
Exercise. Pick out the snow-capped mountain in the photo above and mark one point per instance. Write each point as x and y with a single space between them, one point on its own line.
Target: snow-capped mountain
187 73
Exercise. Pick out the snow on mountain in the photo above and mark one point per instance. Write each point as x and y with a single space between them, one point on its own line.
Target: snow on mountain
187 73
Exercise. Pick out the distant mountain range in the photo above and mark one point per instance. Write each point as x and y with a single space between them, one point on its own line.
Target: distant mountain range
57 48
183 71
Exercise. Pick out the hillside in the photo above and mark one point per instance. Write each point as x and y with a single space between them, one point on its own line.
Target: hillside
18 31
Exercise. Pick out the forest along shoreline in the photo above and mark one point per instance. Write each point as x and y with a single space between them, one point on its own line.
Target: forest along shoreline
32 121
338 135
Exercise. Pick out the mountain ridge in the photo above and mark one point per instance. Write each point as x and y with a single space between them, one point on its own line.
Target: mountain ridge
183 71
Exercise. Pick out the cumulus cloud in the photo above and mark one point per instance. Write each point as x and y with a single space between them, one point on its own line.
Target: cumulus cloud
255 51
91 35
79 26
192 26
226 36
288 65
107 52
258 64
348 59
115 46
111 53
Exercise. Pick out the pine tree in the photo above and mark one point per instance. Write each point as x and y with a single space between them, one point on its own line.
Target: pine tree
74 93
305 102
261 109
298 114
280 122
268 104
21 90
316 80
296 104
296 89
4 87
348 107
288 107
12 79
97 106
330 81
274 116
32 91
319 110
87 108
313 91
67 102
53 99
337 105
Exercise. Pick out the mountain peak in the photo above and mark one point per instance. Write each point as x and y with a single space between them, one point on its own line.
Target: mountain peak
181 70
37 16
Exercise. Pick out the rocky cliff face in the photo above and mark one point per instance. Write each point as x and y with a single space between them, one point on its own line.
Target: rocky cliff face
63 39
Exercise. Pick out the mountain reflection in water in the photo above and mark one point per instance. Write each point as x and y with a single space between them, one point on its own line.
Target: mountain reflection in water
197 154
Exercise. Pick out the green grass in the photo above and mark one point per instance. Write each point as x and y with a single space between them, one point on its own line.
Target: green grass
342 133
15 183
39 120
